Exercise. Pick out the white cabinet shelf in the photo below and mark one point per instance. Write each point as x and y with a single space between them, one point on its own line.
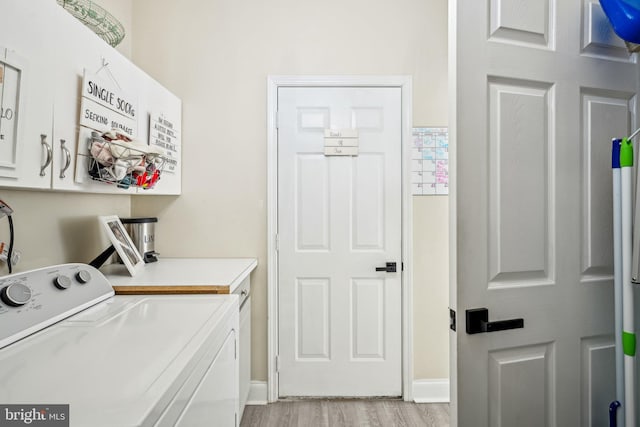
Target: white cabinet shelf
53 50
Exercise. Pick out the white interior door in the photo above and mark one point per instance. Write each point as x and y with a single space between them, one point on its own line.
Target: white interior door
339 217
541 87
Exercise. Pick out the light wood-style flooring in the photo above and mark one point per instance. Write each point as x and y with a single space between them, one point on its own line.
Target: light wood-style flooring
346 413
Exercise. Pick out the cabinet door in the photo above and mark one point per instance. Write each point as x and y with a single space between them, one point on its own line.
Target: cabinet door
244 354
27 66
215 400
79 49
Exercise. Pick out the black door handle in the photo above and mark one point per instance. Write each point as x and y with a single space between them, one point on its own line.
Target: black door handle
478 322
389 268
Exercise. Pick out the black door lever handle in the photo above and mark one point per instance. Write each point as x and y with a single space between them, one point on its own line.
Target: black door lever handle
389 268
478 322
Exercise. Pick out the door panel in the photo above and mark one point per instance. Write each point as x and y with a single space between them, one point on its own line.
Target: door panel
313 331
339 217
541 87
519 240
368 203
367 321
598 362
313 193
603 114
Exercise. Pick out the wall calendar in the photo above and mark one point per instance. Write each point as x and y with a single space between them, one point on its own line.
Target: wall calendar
430 161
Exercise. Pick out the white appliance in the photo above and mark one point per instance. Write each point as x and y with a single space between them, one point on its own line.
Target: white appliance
161 360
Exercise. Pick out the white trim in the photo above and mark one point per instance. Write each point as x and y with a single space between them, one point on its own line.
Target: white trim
431 391
405 84
453 220
272 229
257 393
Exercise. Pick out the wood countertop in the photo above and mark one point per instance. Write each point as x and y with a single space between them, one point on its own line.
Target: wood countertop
181 276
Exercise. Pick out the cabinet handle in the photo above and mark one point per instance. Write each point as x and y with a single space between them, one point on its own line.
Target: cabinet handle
67 158
43 141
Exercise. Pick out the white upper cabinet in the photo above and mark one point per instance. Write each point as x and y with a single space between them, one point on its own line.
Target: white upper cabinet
80 50
26 86
55 51
161 126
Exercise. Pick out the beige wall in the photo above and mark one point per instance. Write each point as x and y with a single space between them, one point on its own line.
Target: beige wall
122 11
54 228
431 287
216 55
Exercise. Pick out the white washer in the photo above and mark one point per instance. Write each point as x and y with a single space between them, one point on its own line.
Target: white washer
124 361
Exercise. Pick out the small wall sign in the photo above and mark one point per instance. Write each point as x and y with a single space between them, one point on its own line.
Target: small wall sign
341 142
164 133
104 107
11 75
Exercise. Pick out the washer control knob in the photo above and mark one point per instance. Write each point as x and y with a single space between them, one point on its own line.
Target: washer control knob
83 276
62 282
15 295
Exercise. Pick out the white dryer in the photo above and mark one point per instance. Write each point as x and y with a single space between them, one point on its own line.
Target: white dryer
162 360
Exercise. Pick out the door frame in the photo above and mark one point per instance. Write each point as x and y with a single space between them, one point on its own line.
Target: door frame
405 84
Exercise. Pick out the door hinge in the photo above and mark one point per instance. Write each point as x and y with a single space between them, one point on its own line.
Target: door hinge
277 241
402 266
452 320
277 363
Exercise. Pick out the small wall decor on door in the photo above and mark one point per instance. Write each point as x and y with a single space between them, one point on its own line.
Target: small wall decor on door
341 142
430 161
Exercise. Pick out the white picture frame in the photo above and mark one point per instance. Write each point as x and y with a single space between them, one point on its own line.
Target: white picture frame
122 243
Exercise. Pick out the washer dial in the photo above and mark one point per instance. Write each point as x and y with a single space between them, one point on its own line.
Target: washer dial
15 295
83 276
62 282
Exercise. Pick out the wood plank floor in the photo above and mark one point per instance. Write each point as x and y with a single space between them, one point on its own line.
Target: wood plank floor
346 413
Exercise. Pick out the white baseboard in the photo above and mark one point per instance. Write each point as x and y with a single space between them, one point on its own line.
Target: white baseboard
257 393
431 391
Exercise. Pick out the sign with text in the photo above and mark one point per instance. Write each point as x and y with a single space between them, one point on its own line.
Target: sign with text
10 79
163 133
104 107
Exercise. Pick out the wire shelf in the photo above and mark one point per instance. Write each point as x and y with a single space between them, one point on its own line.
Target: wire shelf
124 163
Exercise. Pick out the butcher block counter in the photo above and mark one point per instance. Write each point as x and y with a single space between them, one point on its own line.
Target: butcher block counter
181 276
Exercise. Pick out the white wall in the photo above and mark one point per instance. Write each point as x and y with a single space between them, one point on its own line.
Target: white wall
216 55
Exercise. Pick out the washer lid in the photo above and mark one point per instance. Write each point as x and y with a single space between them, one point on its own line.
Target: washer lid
114 362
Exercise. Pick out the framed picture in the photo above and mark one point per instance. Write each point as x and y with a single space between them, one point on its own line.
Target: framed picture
122 243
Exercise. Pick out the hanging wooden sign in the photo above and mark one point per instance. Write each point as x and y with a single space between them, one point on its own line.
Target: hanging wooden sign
341 142
104 107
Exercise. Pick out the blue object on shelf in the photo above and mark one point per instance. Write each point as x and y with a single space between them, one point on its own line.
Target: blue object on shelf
624 16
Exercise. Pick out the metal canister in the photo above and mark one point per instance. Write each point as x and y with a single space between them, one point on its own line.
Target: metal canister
142 232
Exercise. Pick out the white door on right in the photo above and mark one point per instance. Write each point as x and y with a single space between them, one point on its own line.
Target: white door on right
541 87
